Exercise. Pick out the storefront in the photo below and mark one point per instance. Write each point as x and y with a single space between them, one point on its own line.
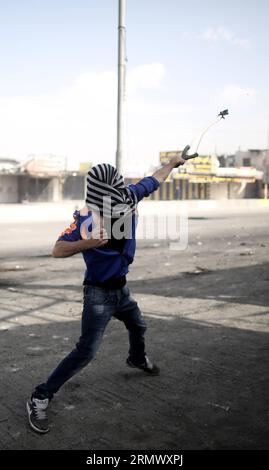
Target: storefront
203 178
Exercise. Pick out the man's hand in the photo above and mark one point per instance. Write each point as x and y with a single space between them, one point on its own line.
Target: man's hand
177 161
98 237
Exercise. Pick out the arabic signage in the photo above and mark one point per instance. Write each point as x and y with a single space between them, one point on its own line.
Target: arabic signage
202 164
212 179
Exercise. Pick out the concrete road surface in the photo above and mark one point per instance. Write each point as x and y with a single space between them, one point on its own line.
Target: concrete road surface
207 311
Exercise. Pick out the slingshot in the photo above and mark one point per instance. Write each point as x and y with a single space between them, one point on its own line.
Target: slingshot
220 116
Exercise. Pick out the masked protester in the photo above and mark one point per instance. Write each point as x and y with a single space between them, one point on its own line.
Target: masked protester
104 232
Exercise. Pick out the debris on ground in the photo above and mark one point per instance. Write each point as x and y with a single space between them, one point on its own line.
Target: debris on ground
199 270
225 408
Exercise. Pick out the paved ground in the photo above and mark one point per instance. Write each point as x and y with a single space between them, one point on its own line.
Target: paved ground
207 312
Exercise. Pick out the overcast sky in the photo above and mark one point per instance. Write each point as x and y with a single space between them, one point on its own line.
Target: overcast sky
187 60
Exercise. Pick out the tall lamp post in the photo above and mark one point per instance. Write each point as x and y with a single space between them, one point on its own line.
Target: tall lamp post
266 167
121 85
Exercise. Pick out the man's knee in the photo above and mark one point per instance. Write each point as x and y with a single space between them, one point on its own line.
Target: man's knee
138 328
86 350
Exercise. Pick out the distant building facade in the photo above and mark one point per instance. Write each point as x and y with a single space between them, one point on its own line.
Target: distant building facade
40 179
255 158
207 177
45 178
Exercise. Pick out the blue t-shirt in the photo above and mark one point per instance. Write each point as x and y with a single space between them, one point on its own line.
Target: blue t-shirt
104 264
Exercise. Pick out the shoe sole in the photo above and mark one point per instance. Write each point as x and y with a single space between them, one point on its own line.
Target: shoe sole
40 431
150 373
141 368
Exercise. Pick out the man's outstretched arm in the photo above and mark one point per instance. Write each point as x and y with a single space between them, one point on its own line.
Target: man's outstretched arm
162 173
149 184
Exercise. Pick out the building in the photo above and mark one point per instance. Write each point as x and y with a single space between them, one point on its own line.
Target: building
8 180
45 179
42 178
204 178
255 158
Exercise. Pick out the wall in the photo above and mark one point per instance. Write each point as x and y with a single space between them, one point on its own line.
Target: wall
8 188
257 158
244 190
74 187
219 191
35 189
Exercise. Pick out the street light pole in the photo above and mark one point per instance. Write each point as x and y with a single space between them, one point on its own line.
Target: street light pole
266 167
121 85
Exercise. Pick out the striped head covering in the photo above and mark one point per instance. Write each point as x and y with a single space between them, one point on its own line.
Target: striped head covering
107 191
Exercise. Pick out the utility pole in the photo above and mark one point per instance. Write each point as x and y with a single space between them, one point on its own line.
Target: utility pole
121 85
266 167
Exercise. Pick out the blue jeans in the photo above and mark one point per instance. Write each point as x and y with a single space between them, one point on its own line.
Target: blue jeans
98 308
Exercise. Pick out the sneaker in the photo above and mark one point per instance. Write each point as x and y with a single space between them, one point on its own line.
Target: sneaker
148 366
37 417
